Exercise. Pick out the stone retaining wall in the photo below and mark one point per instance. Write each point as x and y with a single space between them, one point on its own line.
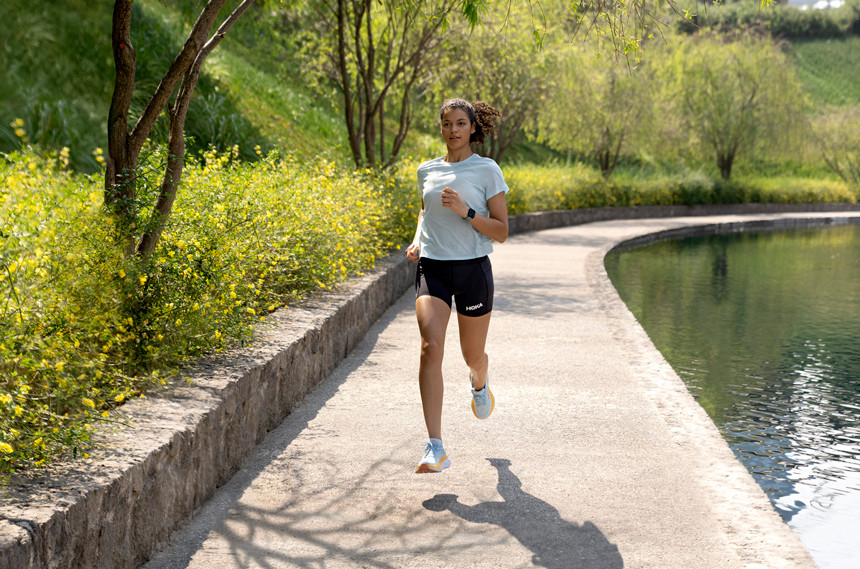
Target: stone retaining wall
145 480
142 482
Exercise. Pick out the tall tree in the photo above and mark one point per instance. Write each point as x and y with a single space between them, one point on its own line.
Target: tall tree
594 107
508 71
378 53
837 135
734 94
172 95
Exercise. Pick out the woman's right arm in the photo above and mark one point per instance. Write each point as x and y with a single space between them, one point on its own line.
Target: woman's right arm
414 249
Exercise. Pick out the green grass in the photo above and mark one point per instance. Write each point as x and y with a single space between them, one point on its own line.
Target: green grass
829 70
57 71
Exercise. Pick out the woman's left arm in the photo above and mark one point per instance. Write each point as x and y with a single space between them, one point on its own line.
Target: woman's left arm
495 226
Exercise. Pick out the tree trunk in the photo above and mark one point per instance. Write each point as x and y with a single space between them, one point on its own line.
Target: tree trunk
346 82
121 160
124 147
724 163
371 59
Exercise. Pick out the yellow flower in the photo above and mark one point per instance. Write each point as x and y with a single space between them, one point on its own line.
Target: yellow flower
88 402
6 447
142 279
18 410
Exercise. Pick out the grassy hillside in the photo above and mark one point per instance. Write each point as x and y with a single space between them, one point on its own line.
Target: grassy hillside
829 70
56 70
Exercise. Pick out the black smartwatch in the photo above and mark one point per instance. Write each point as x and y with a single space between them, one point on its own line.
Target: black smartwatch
470 215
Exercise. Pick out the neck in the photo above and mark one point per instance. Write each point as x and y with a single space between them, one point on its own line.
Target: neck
458 155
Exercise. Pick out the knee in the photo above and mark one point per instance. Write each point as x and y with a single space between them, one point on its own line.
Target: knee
432 351
476 361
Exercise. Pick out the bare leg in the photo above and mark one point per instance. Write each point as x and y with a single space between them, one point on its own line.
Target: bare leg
473 341
433 315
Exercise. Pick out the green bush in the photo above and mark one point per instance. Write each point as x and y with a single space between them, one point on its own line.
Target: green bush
536 188
82 329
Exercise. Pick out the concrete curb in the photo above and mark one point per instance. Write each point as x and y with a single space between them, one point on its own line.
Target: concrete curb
142 483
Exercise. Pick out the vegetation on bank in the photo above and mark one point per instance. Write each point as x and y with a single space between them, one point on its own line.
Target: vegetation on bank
85 328
555 186
271 208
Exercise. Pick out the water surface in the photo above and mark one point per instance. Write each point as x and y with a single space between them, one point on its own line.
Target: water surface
765 331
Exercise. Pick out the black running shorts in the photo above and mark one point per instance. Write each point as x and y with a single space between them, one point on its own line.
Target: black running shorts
469 283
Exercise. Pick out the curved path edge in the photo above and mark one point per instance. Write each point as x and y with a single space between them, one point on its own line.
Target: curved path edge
144 481
755 531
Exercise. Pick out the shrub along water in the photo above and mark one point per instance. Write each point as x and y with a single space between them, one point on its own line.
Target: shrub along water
557 186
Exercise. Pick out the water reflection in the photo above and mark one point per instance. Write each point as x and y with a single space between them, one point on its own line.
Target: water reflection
765 329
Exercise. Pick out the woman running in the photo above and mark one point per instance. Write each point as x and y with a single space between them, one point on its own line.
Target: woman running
463 210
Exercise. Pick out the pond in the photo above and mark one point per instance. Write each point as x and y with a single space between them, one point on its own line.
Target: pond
764 329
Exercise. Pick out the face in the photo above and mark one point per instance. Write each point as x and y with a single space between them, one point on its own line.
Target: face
456 128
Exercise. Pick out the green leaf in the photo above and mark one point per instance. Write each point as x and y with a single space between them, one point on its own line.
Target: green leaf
472 11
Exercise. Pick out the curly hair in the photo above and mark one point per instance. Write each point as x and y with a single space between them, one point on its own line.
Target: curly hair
480 113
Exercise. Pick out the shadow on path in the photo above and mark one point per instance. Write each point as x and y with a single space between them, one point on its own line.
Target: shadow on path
554 542
225 517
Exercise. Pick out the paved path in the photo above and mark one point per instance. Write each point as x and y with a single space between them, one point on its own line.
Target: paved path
596 455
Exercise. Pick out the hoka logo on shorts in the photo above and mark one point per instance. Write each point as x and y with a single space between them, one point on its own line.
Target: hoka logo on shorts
475 307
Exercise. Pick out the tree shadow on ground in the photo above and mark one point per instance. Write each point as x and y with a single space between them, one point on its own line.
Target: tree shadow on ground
554 542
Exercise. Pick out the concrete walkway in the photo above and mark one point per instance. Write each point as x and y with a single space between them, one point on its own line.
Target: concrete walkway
596 456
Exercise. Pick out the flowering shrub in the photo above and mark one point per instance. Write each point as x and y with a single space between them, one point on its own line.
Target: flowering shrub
57 311
82 329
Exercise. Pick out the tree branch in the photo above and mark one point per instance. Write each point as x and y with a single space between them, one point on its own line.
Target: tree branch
193 46
125 63
176 140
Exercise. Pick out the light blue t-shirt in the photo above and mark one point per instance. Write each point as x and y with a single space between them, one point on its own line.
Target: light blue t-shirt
443 234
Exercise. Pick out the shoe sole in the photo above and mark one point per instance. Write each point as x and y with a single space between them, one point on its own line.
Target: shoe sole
492 405
425 468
